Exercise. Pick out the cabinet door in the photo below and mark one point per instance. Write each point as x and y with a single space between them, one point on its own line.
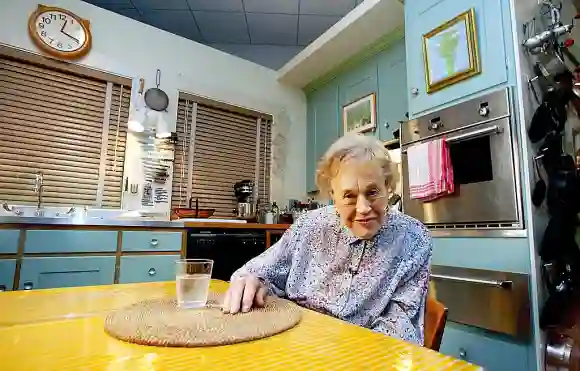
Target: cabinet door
326 118
148 268
355 84
9 241
7 270
45 273
491 39
392 98
493 352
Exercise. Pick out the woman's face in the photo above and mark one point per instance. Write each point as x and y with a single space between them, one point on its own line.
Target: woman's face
360 194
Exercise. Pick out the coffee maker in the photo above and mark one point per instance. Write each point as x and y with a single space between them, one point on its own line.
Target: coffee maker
243 191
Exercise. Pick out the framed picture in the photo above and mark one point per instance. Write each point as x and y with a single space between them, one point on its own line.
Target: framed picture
450 52
361 115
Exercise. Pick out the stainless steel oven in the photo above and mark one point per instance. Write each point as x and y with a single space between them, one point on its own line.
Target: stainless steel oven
484 159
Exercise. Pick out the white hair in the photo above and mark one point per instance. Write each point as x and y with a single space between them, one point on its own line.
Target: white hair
352 147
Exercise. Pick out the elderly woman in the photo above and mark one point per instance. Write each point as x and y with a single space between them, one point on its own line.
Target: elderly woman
356 260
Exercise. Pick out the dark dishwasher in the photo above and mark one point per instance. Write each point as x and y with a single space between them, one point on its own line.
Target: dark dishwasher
228 248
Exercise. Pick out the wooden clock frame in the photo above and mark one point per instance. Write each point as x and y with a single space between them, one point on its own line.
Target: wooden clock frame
85 24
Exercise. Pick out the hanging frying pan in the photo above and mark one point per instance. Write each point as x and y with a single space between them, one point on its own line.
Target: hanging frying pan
155 98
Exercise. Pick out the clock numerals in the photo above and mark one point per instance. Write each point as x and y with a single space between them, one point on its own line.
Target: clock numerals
53 16
46 20
43 34
63 17
59 45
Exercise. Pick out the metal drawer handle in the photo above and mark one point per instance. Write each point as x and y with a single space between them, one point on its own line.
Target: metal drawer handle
154 242
494 283
152 271
2 287
28 285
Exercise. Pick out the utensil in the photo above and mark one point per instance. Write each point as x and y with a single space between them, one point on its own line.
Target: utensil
155 98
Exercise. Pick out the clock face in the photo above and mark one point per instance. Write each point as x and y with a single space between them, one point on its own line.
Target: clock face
60 31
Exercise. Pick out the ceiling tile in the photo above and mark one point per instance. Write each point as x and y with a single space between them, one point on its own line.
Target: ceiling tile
126 3
271 6
217 5
325 7
312 26
130 13
179 22
223 27
157 4
273 29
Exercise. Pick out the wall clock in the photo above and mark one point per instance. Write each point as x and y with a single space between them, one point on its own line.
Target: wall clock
59 32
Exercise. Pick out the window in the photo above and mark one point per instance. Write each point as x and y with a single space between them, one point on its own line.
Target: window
216 148
70 127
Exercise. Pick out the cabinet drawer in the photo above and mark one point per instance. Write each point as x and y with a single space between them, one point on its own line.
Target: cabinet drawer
45 241
493 352
45 273
148 268
7 269
151 241
9 241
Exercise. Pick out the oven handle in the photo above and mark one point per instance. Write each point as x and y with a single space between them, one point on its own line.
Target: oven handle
495 129
494 283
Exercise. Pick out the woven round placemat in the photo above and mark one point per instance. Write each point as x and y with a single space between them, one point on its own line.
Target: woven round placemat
160 322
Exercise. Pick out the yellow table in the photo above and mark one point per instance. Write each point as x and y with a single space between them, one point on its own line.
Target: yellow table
62 329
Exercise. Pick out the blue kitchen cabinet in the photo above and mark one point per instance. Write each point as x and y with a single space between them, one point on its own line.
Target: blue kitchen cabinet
357 83
151 241
310 148
492 35
147 268
7 270
492 351
50 272
9 241
63 241
323 122
392 105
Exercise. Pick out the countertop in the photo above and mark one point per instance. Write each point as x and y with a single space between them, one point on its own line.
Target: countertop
78 223
62 329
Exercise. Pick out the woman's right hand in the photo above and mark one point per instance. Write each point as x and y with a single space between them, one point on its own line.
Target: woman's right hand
244 293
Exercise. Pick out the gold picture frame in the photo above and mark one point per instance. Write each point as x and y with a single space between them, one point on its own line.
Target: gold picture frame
360 115
459 61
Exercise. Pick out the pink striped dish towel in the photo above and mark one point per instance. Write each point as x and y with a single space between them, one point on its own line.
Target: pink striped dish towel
430 170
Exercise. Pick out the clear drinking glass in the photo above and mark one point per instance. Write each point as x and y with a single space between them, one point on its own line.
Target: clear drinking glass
192 277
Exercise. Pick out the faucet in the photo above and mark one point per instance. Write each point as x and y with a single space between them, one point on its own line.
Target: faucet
38 186
11 209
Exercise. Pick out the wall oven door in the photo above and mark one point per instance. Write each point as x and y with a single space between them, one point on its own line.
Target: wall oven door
482 155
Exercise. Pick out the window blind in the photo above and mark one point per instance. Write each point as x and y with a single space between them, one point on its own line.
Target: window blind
217 148
51 121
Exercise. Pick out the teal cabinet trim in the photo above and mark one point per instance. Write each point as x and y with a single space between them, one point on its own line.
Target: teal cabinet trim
7 271
492 351
9 241
151 241
149 268
500 254
62 241
51 272
491 38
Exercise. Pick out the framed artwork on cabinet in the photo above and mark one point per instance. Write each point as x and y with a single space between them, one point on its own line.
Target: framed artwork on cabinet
361 115
450 52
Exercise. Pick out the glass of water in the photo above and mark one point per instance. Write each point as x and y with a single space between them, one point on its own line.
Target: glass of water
192 278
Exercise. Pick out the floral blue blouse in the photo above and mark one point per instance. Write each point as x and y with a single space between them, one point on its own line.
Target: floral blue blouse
379 283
